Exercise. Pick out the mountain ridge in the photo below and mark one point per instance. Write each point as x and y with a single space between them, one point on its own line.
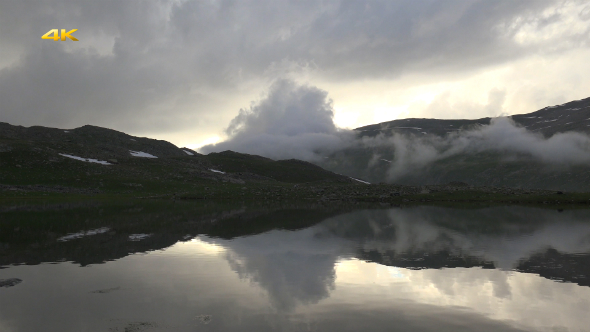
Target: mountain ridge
484 167
570 116
89 160
40 155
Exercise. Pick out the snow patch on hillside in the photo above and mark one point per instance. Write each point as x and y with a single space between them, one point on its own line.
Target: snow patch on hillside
188 152
365 182
81 234
141 154
88 160
138 237
216 171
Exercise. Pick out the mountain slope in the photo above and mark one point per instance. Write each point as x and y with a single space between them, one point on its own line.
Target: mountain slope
105 159
380 163
96 142
571 116
290 171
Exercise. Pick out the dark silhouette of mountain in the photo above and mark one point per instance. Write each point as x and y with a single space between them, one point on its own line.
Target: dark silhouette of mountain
101 158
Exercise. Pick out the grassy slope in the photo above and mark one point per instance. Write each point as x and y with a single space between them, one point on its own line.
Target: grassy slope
288 171
482 169
37 162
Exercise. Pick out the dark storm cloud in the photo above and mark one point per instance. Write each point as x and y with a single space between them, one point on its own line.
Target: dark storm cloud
153 65
53 85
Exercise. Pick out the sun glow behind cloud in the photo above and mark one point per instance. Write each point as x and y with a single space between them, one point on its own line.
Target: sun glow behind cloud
209 140
527 85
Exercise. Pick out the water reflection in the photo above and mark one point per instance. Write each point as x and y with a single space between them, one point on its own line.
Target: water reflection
294 267
502 237
420 268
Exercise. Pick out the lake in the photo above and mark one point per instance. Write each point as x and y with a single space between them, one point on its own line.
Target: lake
185 266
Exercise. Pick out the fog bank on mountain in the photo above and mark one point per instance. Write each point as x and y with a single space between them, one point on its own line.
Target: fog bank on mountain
297 121
502 136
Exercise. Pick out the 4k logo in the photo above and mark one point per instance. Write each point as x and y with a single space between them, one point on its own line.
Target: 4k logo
64 34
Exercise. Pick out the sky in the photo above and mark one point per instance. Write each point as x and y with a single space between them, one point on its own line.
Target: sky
184 70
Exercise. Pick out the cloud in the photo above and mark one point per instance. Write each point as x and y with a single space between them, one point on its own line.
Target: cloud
297 121
288 110
182 66
463 108
432 229
502 136
293 267
292 121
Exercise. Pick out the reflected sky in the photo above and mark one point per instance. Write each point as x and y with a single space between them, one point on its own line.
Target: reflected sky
319 278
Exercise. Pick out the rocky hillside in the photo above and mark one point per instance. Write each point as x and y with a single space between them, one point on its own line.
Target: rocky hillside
91 141
572 116
100 158
483 168
290 171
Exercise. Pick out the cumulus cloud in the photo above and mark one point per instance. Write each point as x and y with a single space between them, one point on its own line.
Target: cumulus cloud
292 121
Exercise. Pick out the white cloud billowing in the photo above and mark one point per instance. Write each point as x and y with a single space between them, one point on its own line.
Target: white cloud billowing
292 121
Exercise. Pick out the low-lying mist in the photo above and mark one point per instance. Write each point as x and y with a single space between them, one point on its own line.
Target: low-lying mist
297 121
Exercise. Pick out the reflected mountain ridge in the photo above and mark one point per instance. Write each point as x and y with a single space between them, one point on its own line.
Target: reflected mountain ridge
305 267
529 240
34 235
508 238
297 267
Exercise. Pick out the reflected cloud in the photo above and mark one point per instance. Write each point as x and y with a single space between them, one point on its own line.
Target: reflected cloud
295 268
502 235
298 268
519 301
523 232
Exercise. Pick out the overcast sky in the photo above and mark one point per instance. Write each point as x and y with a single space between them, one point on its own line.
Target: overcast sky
182 70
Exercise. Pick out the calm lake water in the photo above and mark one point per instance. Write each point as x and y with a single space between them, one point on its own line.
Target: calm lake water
219 268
